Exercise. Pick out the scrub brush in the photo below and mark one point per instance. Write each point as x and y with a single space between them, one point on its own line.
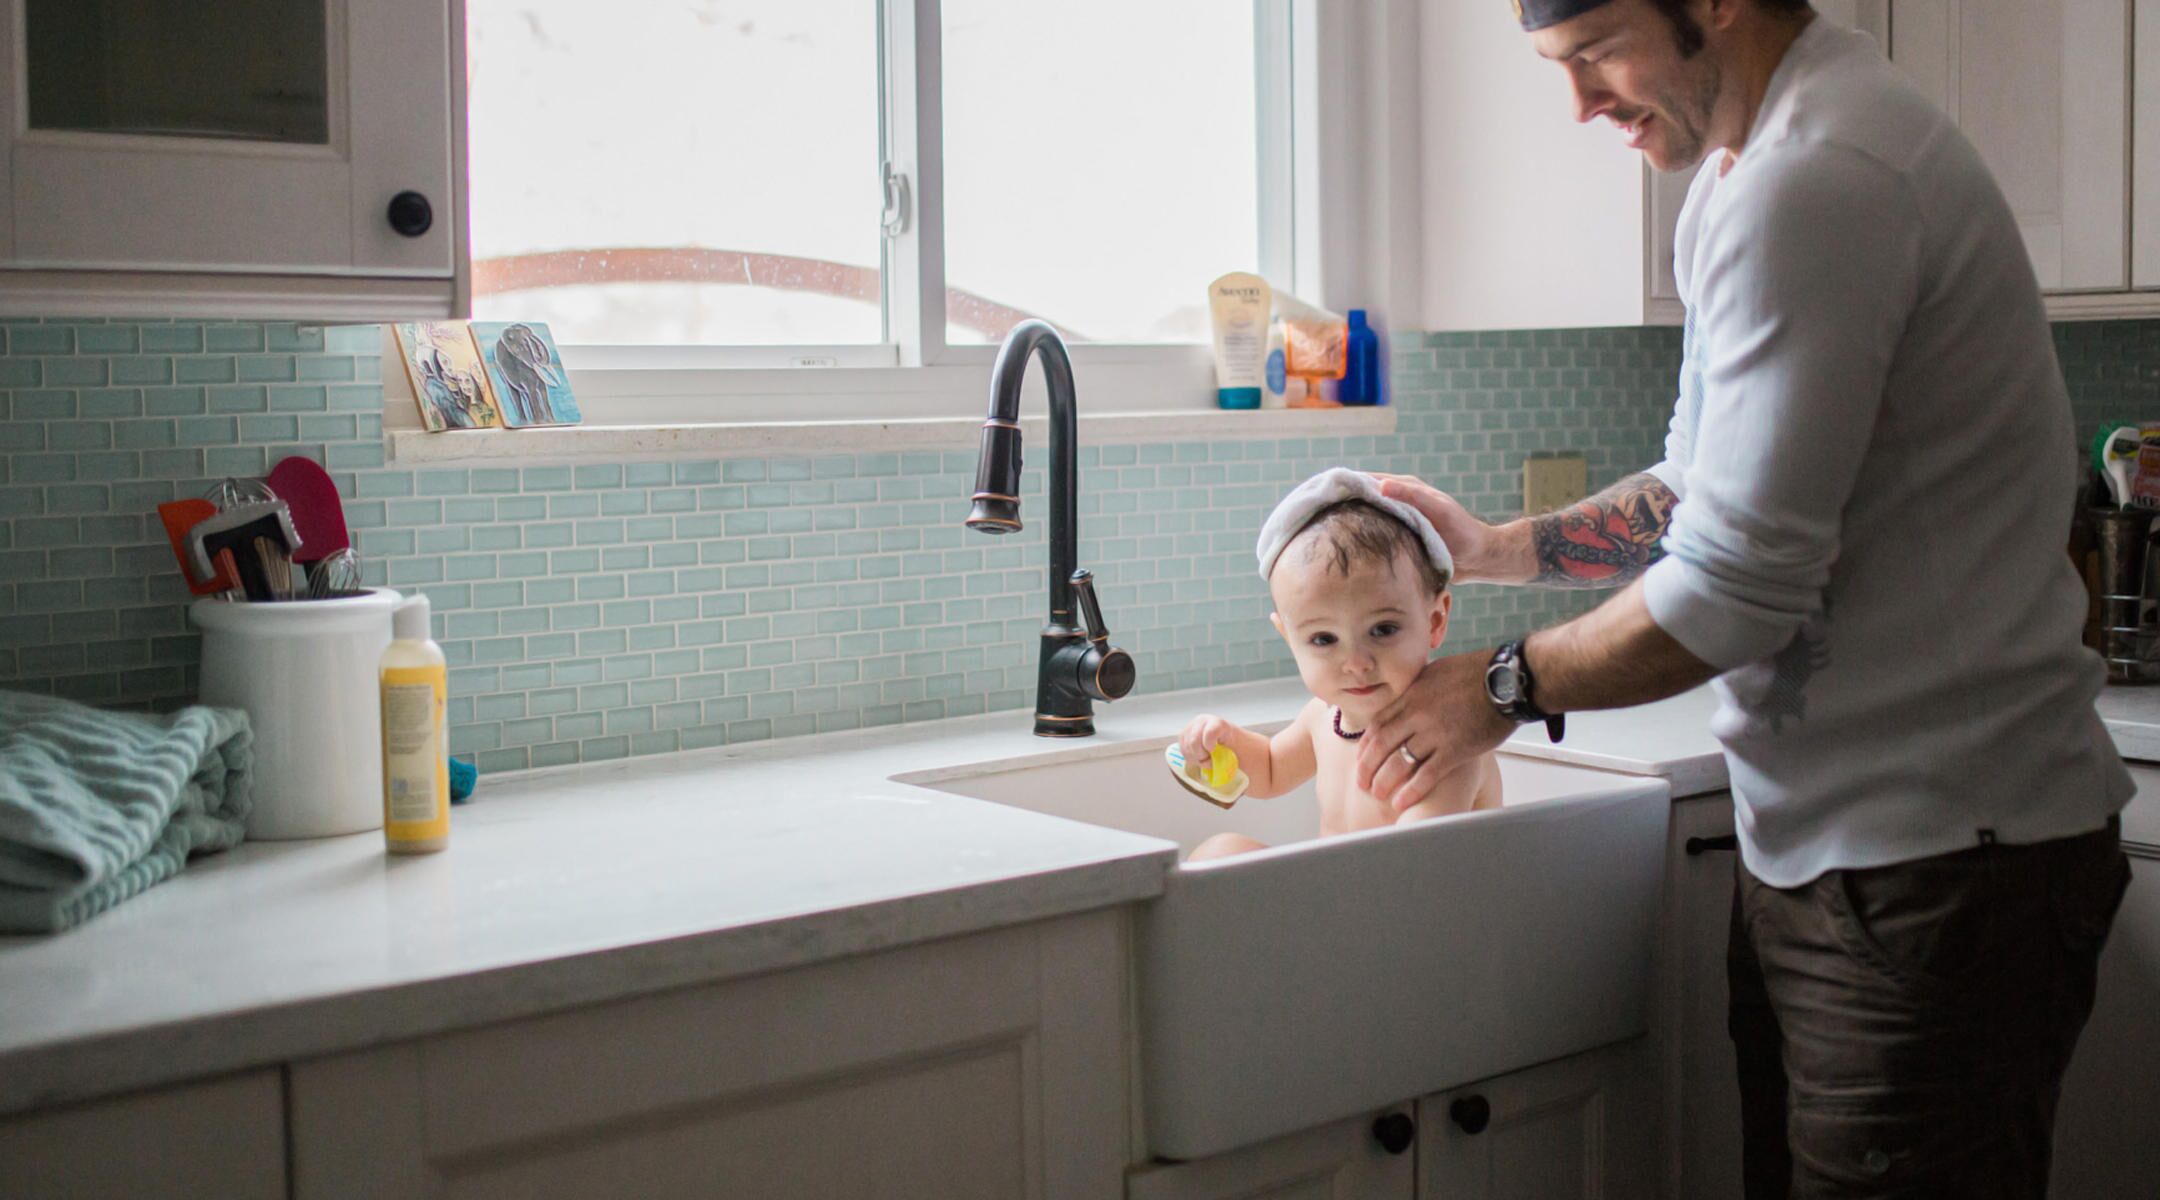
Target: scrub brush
2115 456
1217 781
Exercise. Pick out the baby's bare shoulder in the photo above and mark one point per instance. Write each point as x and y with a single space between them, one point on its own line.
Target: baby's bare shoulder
1488 775
1471 784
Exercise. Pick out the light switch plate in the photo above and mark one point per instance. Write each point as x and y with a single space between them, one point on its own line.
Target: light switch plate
1554 483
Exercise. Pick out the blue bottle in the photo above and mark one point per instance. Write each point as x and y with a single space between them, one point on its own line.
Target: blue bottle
1361 369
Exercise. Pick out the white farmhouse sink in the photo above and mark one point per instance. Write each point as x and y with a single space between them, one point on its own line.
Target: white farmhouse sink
1327 977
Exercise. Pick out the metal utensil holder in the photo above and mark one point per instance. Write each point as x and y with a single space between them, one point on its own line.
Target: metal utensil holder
2130 626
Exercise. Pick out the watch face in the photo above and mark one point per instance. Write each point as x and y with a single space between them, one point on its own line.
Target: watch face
1502 685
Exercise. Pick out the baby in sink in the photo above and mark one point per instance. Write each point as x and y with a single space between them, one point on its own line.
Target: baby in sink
1360 585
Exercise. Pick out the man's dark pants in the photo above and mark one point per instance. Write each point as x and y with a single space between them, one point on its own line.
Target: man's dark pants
1902 1031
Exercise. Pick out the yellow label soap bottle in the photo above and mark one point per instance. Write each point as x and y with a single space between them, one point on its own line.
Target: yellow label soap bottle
416 761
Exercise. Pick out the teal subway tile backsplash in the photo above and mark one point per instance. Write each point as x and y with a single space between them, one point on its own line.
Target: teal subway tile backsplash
609 609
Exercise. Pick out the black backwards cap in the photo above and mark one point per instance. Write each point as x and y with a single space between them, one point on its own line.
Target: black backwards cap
1537 14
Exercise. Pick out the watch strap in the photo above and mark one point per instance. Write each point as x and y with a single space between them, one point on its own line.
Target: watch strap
1522 709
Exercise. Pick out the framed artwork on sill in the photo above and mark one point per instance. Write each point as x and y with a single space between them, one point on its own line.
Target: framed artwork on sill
525 373
448 381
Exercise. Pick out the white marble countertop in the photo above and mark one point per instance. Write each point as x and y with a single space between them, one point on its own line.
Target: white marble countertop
584 884
568 887
1669 739
2132 715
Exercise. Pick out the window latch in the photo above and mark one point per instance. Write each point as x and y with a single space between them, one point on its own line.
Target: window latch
895 216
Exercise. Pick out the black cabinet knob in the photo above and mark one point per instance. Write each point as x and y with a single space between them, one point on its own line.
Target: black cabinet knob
1394 1131
411 214
1698 846
1471 1114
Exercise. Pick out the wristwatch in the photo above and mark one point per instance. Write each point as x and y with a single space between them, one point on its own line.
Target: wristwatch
1508 686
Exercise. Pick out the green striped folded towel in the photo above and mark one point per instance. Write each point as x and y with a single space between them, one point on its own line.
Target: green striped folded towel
96 806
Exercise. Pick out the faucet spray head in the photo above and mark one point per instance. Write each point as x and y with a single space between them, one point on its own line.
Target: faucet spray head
997 479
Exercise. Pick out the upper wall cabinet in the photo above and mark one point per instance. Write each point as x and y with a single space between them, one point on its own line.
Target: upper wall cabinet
1531 220
298 159
1668 192
2042 88
2145 153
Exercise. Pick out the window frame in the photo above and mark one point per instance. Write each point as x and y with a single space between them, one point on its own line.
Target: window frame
915 372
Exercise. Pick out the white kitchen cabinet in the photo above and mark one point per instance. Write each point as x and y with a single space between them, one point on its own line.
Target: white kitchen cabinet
990 1066
223 1139
1699 1090
2145 149
1364 1159
258 159
1530 220
2109 1118
1668 192
2041 87
1582 1128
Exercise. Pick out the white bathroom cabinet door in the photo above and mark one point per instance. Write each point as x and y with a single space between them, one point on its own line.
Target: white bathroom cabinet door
2041 87
2109 1118
1343 1161
245 175
2145 153
223 1139
1581 1128
1700 1093
989 1066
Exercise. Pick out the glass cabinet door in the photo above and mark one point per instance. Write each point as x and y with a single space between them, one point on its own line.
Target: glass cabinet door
255 70
243 137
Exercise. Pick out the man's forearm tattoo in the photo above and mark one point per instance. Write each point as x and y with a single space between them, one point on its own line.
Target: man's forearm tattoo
1604 541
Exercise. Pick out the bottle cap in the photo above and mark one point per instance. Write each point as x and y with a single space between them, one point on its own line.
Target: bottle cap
1357 318
409 621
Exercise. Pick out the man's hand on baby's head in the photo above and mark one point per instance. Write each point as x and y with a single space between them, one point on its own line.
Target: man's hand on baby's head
1467 536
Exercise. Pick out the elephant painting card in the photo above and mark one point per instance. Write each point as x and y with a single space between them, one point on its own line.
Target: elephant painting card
526 373
448 382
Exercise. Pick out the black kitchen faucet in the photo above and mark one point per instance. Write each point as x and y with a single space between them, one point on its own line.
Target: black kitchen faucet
1079 665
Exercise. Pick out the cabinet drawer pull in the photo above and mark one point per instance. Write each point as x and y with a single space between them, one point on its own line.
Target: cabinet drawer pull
1394 1131
1703 845
411 214
1471 1114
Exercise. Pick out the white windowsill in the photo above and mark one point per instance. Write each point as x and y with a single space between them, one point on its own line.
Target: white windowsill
662 409
732 439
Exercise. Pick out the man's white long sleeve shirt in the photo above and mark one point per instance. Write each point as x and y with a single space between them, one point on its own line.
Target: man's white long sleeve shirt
1876 462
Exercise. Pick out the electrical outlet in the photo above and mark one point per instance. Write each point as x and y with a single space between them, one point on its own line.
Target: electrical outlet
1554 483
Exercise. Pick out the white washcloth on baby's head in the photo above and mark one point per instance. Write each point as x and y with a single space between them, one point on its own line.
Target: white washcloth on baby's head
1333 486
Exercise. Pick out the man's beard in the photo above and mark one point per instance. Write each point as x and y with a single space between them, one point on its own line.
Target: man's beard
1685 113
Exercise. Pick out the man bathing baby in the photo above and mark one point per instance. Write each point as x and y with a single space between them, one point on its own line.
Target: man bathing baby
1360 585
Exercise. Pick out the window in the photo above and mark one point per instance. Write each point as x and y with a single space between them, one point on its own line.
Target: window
694 184
1100 164
676 172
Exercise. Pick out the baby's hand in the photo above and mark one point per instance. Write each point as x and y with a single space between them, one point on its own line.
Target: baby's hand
1202 734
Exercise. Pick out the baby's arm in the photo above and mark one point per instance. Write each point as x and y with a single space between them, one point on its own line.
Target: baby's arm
1272 766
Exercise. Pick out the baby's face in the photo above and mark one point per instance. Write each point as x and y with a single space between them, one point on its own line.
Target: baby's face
1359 640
